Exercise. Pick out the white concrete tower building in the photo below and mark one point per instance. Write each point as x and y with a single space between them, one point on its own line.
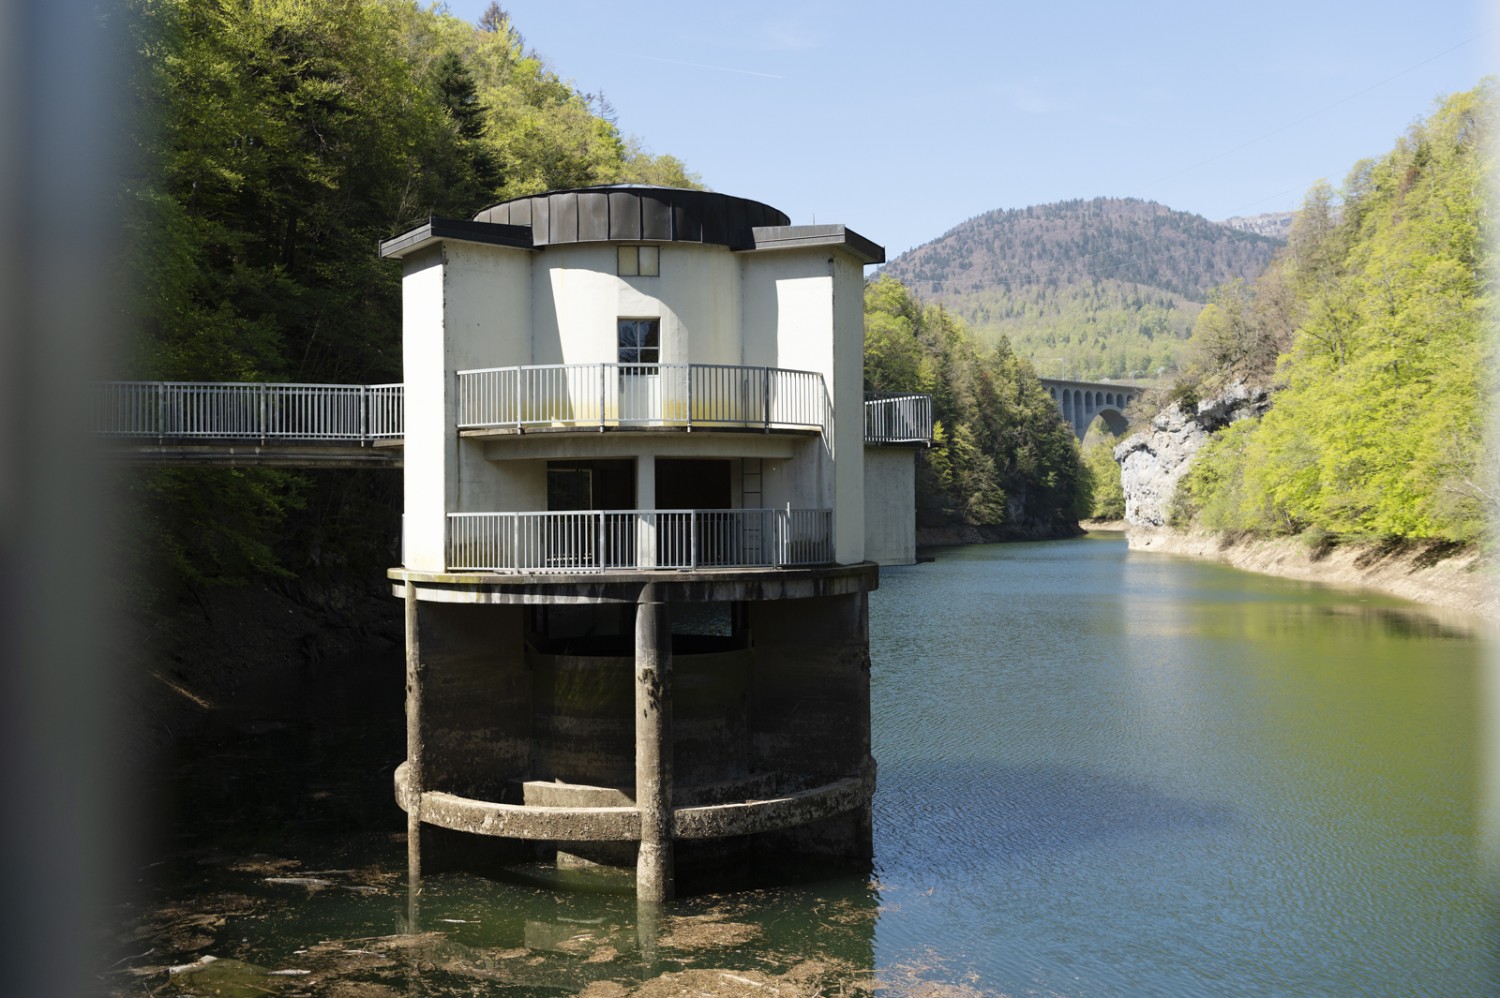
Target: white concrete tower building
634 539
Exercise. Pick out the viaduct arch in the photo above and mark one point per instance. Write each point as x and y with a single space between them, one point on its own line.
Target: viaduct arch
1081 401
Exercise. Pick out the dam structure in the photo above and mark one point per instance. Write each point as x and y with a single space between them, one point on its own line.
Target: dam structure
634 538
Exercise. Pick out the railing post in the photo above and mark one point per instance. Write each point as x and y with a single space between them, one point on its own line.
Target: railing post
261 392
602 369
364 415
692 538
600 556
689 370
161 411
765 383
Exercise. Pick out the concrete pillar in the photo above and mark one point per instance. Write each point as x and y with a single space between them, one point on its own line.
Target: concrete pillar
416 781
653 746
645 499
647 929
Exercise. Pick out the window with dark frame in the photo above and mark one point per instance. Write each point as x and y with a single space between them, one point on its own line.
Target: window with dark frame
640 343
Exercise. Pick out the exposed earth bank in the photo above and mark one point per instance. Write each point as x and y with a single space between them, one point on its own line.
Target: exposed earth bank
942 537
1437 575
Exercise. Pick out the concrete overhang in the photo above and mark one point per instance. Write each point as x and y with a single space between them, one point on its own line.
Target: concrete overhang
507 445
782 237
436 230
673 586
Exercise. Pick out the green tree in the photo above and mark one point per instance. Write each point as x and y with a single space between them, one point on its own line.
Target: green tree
1108 494
1002 457
1378 431
279 142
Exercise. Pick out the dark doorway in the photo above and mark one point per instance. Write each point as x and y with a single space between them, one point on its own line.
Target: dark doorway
693 484
585 485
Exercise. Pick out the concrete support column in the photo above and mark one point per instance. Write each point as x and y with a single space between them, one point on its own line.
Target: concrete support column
645 498
653 746
416 779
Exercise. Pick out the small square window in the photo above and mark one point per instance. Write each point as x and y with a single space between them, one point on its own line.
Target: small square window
639 261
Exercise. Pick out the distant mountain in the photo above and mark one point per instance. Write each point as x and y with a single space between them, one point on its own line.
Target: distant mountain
1276 224
1106 288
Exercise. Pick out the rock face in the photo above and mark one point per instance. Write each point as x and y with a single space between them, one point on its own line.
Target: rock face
1153 461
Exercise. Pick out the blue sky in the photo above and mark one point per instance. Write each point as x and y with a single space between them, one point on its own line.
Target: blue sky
902 120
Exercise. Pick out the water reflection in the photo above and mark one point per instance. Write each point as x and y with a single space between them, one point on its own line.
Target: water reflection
284 866
1176 778
1100 774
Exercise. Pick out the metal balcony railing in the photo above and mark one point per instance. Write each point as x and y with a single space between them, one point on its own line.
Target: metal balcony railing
629 540
615 395
248 411
585 395
898 419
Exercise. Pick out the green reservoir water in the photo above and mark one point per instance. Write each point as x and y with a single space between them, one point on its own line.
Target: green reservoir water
1101 773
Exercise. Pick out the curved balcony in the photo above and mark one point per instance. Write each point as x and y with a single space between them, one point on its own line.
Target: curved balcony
614 396
513 398
639 539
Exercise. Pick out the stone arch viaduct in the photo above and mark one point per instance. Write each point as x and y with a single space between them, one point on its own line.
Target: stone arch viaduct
1081 401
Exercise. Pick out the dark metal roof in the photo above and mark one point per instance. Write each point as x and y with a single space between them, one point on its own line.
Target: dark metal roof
636 212
436 229
796 236
633 213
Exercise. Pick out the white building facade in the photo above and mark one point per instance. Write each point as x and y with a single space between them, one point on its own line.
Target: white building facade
574 369
635 476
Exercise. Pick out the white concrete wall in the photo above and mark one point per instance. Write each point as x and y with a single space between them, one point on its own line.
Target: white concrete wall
463 306
475 306
787 316
430 443
890 494
487 319
847 385
579 296
797 480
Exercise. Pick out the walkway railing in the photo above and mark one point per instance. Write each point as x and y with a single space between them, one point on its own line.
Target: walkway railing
612 395
206 410
707 395
898 419
598 541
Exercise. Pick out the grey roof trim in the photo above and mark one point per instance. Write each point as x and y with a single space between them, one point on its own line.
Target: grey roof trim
774 237
461 230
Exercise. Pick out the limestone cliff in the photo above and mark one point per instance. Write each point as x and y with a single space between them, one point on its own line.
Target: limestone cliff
1153 461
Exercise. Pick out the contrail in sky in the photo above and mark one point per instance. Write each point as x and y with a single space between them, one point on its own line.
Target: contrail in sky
721 69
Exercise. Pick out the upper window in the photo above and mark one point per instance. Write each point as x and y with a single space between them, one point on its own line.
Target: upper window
640 261
640 341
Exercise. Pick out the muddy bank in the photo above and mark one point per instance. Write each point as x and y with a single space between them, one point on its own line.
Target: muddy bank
1091 525
943 537
1438 575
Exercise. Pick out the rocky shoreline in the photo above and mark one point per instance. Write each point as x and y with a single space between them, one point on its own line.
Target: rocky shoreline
957 536
1460 579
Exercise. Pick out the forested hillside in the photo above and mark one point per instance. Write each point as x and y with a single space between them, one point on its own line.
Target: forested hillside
1379 311
279 142
1003 461
1086 289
